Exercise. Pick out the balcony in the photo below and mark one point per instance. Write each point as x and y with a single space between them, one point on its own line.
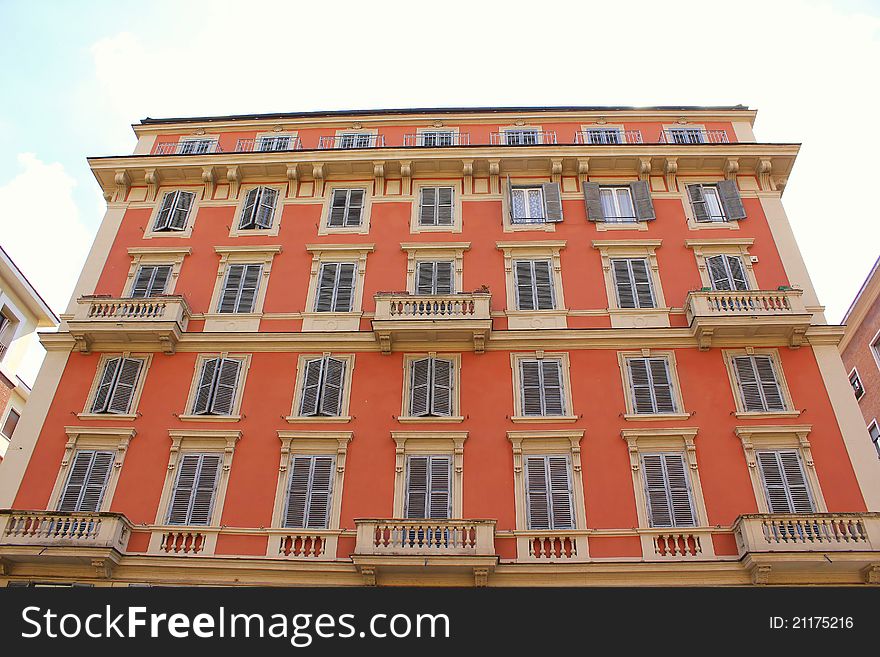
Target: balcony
135 323
437 139
429 319
605 137
452 546
188 147
777 314
91 539
693 136
840 542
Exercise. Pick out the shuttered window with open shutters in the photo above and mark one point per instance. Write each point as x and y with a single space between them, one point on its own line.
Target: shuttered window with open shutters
727 272
86 481
259 209
718 202
192 499
309 492
759 387
650 385
346 208
428 487
619 204
174 211
435 277
150 281
668 490
785 485
335 292
116 387
322 392
240 288
217 386
431 387
534 204
632 281
549 500
541 386
436 206
534 285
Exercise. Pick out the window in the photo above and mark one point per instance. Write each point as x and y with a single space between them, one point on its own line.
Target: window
632 281
874 433
274 143
240 288
685 135
117 385
7 331
619 203
11 422
650 385
259 209
727 272
355 140
336 283
428 487
436 206
535 205
174 211
431 387
718 202
309 492
856 382
323 384
86 481
436 138
542 388
346 208
522 137
758 385
435 277
195 146
150 281
192 499
534 285
667 490
785 485
549 492
217 386
604 136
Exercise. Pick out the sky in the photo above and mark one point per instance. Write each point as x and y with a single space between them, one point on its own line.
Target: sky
76 75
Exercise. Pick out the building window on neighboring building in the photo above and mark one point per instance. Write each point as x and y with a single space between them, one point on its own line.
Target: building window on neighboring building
217 388
435 277
856 382
549 501
323 387
174 211
727 272
428 492
150 281
874 433
431 387
336 283
718 202
534 284
192 498
785 485
668 490
8 325
758 384
86 481
346 208
650 383
240 288
436 206
632 281
12 418
117 385
542 387
259 209
309 491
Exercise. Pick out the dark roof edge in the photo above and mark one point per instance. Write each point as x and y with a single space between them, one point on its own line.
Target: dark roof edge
441 110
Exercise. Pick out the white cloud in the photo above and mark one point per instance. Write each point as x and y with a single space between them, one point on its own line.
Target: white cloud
41 228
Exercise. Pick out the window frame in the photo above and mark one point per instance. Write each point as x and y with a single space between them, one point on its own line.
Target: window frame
235 229
155 257
417 252
692 222
149 230
302 360
240 255
534 250
132 414
335 321
732 247
630 414
429 443
455 415
876 443
855 371
791 411
562 357
657 317
235 414
415 225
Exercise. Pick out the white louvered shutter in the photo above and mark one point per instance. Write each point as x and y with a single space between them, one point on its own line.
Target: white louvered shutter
785 485
543 277
530 382
86 481
163 219
425 280
182 205
641 277
249 209
537 493
331 386
626 297
420 384
321 493
192 499
105 385
667 490
336 282
150 281
345 282
641 196
124 386
441 386
311 391
231 289
632 280
265 210
650 385
593 201
428 206
249 285
561 507
445 211
731 200
718 273
551 388
223 398
698 203
661 385
417 487
552 202
428 487
206 386
309 492
326 287
737 273
758 385
525 293
434 277
548 493
338 206
355 207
